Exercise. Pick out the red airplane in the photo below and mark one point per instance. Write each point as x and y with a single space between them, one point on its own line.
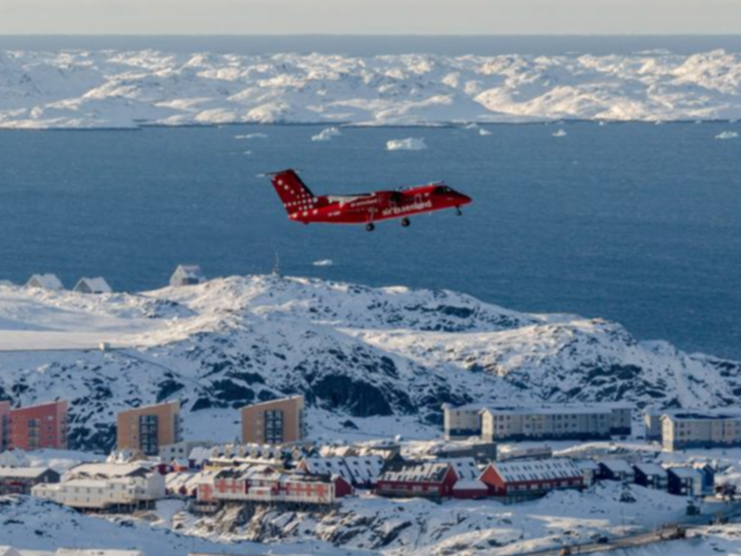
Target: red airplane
362 208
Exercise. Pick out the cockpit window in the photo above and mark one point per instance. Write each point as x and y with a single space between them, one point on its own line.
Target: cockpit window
443 189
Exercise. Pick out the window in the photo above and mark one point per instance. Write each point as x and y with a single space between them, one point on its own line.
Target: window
274 426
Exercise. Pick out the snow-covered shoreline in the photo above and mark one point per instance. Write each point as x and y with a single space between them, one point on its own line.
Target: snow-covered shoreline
127 89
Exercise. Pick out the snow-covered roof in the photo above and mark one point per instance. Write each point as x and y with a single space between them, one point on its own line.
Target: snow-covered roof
539 470
46 281
354 469
685 472
465 468
96 552
617 465
22 472
650 469
189 271
535 407
94 285
417 473
470 484
106 470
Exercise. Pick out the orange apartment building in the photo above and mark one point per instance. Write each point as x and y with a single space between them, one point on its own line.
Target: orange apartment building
149 427
274 422
34 428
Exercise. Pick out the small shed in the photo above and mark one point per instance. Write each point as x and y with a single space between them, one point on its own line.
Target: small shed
187 275
45 281
92 285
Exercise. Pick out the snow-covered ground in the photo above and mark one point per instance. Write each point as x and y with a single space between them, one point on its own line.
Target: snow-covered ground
123 89
372 362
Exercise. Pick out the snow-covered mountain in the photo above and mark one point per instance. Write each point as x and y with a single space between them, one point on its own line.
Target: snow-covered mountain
393 354
121 89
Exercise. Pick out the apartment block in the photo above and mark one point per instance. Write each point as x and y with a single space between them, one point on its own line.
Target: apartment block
35 427
274 422
148 428
528 421
694 429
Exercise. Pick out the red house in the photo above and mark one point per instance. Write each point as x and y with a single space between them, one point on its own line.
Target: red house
529 479
427 480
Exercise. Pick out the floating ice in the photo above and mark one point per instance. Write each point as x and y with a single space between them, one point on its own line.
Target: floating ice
324 262
560 133
252 136
473 125
484 132
327 134
247 153
408 144
727 135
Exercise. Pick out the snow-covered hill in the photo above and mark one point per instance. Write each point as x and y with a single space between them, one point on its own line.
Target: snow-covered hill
392 354
121 89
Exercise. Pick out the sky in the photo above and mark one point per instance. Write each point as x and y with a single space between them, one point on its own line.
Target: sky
349 17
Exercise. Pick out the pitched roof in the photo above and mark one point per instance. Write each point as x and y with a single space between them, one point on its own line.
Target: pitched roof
465 468
540 470
23 472
354 469
95 285
417 473
46 281
617 465
650 469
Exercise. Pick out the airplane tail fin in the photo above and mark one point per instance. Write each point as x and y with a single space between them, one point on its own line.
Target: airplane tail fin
292 191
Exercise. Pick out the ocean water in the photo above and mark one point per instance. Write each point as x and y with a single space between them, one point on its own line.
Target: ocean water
372 45
637 223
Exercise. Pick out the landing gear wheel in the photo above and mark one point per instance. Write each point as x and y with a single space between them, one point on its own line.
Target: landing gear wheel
458 211
405 223
370 226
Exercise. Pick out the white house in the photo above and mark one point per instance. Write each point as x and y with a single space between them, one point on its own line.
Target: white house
99 486
92 285
45 281
187 275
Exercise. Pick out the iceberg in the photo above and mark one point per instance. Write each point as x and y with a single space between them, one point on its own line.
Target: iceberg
560 133
484 132
727 135
252 136
324 262
408 144
327 134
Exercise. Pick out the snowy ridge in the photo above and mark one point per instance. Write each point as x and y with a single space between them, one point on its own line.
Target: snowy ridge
125 89
354 352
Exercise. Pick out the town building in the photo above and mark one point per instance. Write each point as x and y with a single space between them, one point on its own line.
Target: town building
149 427
181 450
470 489
92 285
617 470
105 486
359 471
651 475
700 429
415 479
463 421
533 421
590 471
263 483
522 480
652 423
4 425
45 281
20 480
37 427
540 422
482 452
187 275
685 481
274 422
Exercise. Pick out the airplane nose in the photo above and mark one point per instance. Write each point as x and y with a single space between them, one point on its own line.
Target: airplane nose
464 199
